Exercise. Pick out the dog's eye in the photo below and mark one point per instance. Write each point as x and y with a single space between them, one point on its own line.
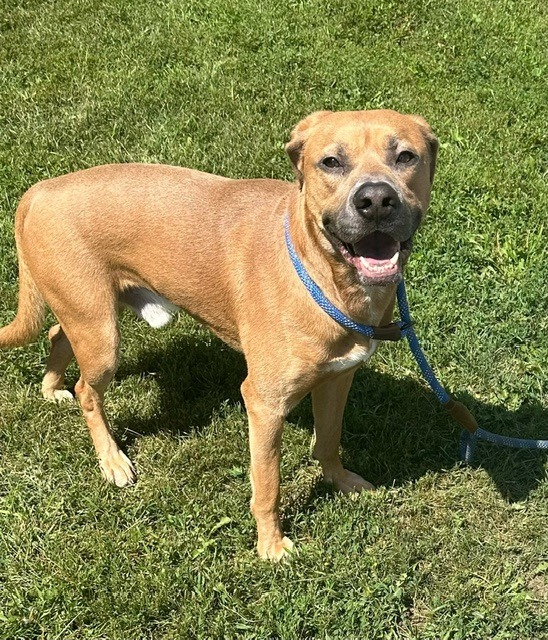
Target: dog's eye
331 162
405 157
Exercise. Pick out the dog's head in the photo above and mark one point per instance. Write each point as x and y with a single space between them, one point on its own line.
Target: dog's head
365 178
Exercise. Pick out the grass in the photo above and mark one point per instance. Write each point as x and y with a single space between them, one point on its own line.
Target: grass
440 551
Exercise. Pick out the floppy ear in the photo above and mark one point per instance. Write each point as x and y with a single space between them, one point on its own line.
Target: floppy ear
432 142
294 147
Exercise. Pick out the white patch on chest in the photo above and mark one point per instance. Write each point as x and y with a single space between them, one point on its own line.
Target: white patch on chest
356 356
149 306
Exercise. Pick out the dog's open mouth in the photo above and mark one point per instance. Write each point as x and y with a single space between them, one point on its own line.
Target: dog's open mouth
376 257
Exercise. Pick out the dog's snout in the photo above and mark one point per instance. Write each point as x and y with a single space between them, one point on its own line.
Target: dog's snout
376 200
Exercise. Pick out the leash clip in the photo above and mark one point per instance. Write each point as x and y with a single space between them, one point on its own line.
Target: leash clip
392 332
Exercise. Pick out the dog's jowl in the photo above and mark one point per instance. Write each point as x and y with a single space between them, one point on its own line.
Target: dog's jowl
155 237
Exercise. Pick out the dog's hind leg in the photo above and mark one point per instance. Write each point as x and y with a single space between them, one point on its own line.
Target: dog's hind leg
95 339
59 358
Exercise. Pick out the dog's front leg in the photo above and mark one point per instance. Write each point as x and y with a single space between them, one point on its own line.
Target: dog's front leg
265 438
328 402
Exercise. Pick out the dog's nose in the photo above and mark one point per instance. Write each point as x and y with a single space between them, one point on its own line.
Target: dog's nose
376 200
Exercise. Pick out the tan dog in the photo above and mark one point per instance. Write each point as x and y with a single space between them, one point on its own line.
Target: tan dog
142 235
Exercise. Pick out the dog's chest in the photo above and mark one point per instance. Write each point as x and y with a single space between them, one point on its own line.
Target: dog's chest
356 356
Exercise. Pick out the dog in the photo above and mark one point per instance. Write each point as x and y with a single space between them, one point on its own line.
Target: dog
154 238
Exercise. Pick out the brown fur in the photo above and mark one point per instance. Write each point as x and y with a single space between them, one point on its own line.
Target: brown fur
215 247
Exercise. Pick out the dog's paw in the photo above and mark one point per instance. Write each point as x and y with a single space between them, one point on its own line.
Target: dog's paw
347 482
57 395
276 551
118 469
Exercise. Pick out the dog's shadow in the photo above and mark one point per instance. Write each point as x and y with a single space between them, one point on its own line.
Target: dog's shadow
195 377
394 432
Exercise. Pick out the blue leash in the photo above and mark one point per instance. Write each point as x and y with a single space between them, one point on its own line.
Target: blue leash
404 329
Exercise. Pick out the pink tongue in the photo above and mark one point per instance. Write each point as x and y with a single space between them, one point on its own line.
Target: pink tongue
373 255
373 262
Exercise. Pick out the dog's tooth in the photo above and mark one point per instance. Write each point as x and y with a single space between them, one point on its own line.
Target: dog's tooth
395 257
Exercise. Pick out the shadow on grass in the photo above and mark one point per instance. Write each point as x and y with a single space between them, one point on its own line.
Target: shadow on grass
395 430
195 379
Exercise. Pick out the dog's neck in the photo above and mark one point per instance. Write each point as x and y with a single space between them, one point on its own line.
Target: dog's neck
370 305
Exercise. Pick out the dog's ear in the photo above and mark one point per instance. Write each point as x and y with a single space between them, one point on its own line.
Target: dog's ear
295 146
432 142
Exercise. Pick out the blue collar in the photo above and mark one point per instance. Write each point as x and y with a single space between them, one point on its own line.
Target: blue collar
394 331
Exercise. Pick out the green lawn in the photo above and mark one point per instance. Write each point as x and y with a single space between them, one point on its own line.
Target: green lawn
440 551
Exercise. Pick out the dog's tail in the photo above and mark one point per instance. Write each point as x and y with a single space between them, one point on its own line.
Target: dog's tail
29 320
